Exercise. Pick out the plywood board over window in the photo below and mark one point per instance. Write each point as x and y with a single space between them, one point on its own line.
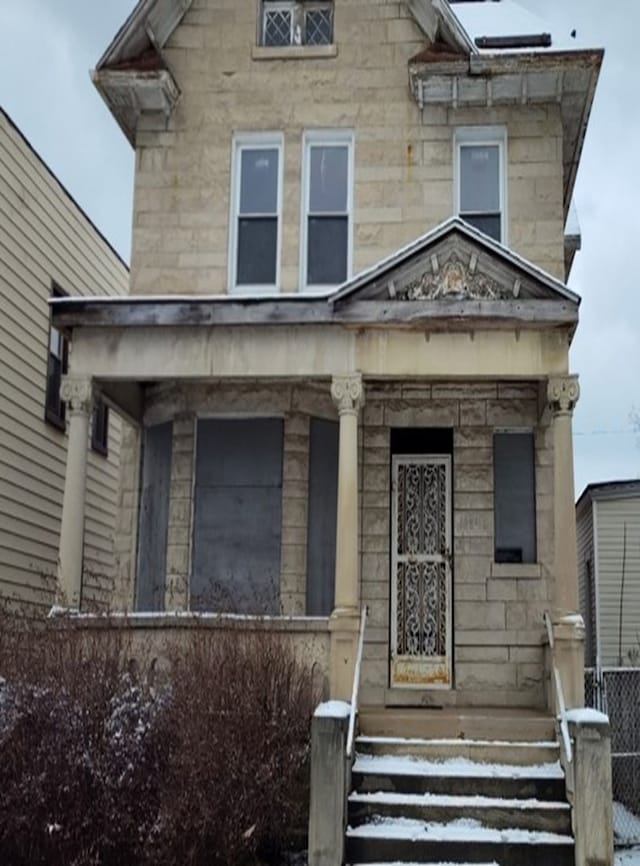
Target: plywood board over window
237 515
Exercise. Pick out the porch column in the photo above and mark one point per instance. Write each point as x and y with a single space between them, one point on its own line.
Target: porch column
77 394
562 395
348 395
568 627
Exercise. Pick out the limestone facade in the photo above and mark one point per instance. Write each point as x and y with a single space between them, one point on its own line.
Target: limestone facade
403 157
497 608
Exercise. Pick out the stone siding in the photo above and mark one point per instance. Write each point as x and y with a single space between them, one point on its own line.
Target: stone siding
497 609
403 182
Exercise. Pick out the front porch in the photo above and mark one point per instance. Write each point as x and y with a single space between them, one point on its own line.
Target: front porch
404 444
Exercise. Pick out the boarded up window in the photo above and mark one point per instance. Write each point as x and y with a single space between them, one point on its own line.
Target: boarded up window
154 517
321 533
237 517
514 497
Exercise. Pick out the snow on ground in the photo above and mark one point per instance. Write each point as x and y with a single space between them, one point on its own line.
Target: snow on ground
410 766
628 857
626 826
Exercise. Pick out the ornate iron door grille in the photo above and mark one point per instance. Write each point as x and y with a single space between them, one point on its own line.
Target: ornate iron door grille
421 571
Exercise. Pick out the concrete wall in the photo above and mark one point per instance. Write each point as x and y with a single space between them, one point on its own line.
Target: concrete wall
45 238
403 157
498 609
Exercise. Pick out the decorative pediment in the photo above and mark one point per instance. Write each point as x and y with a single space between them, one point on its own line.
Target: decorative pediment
455 279
454 262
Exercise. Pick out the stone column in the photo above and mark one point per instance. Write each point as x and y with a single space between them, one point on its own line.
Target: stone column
77 394
562 394
348 395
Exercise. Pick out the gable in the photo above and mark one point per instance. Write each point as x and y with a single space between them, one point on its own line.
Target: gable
455 262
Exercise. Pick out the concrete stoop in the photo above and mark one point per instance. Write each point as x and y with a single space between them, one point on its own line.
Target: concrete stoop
417 801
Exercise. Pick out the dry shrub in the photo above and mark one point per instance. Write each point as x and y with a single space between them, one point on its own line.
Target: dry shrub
240 715
96 767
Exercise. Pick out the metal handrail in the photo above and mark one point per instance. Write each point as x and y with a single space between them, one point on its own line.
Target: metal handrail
564 724
356 684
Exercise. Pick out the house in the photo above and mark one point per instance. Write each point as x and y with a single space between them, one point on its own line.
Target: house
345 356
49 248
608 527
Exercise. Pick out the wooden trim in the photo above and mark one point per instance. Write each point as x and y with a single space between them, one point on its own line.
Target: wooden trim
439 314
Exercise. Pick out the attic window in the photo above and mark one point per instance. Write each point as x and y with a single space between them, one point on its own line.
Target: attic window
296 22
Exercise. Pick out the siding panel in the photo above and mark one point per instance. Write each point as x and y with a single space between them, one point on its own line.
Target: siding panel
45 238
612 518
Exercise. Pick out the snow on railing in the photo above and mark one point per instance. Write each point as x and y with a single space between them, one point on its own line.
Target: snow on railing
564 724
356 684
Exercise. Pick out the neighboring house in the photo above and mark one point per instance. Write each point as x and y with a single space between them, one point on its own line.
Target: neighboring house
346 350
48 248
608 525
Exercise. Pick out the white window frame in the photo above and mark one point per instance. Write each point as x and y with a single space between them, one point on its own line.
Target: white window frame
483 136
328 137
298 10
252 141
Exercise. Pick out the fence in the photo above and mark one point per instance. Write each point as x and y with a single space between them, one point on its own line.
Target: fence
616 691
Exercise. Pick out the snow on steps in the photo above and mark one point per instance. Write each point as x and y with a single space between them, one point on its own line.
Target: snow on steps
421 801
503 751
496 812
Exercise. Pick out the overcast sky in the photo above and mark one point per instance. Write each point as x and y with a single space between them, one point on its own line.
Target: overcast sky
48 46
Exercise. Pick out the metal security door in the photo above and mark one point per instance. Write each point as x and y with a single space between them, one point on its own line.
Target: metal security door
421 571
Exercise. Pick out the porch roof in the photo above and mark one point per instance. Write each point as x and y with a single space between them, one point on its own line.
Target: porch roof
453 277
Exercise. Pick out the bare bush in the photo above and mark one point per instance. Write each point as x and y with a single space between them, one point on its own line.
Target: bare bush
98 767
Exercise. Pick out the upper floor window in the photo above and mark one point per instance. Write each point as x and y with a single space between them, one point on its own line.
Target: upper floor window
296 22
480 179
327 201
57 361
256 203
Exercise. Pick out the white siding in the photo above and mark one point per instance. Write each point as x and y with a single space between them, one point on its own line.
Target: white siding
612 517
45 238
584 527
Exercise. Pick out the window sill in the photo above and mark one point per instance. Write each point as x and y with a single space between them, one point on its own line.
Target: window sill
293 52
518 570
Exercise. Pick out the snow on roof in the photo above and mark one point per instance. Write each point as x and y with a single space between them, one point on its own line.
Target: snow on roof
508 18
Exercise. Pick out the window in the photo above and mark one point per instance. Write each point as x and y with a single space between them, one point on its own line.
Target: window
327 205
57 360
514 497
256 196
305 22
100 428
480 193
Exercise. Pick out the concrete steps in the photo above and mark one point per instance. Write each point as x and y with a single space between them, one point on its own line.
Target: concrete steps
456 801
469 723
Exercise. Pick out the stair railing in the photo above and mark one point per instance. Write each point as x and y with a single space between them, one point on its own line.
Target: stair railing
560 702
356 685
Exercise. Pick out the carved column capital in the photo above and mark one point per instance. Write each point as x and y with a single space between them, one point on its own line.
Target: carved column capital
347 393
563 393
77 393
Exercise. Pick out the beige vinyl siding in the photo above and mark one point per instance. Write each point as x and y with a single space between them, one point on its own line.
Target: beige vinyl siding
611 517
45 238
584 528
